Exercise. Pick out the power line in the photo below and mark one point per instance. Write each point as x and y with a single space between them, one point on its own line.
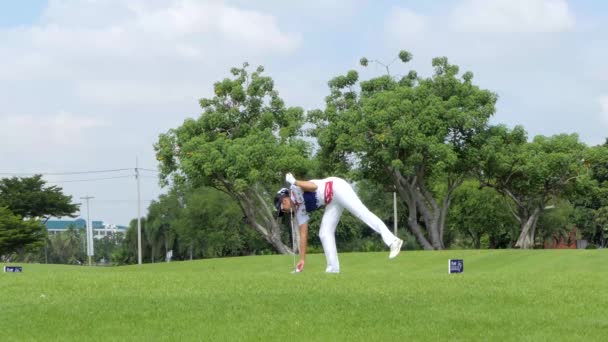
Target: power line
89 179
123 200
72 172
141 168
62 173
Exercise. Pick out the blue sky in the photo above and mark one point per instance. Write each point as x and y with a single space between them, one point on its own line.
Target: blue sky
89 85
21 13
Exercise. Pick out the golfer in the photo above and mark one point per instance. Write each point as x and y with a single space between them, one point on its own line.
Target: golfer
335 194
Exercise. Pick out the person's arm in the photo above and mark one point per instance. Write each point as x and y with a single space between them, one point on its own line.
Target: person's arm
304 185
303 245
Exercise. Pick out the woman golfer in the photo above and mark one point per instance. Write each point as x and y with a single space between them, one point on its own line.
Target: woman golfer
335 194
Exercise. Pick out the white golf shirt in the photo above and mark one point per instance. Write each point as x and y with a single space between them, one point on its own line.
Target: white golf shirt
309 201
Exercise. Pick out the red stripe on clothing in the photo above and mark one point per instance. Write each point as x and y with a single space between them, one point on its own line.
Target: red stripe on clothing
329 191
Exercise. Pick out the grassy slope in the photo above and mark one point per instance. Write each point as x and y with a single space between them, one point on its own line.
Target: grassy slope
503 295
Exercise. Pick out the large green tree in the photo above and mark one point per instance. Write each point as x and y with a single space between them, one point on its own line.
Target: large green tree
18 235
66 247
211 225
414 134
127 253
556 223
243 142
590 197
478 214
29 197
531 174
160 228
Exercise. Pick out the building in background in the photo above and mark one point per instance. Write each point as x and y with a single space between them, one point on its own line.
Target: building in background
100 229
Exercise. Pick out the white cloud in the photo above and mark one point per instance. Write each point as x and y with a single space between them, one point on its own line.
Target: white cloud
604 108
406 24
507 16
188 18
23 132
506 45
129 92
92 40
134 68
141 65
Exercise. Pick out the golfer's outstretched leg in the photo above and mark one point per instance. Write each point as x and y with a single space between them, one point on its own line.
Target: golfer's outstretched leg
347 197
327 234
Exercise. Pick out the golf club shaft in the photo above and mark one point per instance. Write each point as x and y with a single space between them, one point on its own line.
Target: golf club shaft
293 239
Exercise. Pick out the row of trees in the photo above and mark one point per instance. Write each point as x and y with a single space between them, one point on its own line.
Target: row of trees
191 224
69 247
26 204
460 181
458 178
205 223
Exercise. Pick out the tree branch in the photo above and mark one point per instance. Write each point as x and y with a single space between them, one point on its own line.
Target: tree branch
512 210
428 197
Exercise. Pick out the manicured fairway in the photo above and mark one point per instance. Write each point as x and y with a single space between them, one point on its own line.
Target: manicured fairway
514 295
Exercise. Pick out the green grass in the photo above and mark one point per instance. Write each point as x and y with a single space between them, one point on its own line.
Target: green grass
503 295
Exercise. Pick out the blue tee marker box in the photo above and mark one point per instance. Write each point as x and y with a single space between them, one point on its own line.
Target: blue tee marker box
455 266
12 269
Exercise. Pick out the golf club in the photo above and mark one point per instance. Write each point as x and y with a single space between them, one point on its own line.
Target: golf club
293 241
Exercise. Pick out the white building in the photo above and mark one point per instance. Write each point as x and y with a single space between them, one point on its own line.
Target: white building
100 230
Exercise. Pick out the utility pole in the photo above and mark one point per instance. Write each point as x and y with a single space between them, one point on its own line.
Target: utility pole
138 213
395 212
90 250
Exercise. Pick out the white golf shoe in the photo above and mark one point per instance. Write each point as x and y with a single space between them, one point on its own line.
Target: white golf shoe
395 248
331 269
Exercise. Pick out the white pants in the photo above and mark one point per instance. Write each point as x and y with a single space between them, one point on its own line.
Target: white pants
344 197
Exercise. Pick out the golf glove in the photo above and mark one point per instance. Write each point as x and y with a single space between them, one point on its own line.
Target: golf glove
289 178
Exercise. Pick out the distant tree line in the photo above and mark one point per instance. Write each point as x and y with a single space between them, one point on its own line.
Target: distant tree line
460 181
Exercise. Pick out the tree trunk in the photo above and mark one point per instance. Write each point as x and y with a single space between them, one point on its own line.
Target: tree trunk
445 207
405 194
476 237
438 224
166 248
415 229
433 227
526 237
418 199
280 246
262 218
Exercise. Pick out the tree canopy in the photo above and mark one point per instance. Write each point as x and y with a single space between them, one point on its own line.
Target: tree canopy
29 197
18 235
242 144
417 135
530 174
